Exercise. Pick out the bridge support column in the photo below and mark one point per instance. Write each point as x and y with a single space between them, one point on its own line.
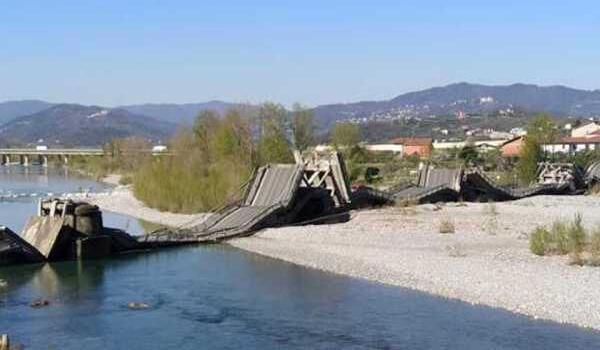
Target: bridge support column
66 160
25 160
45 161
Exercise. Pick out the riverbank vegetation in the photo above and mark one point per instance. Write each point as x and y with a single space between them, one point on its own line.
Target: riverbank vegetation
123 156
210 161
567 238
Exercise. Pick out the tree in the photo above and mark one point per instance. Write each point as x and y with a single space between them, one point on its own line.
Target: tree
543 128
530 156
303 127
469 154
345 135
205 125
273 144
540 131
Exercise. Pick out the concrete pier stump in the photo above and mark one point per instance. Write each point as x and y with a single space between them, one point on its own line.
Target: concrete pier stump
4 342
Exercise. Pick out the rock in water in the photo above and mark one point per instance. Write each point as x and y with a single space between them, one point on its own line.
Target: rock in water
138 306
39 303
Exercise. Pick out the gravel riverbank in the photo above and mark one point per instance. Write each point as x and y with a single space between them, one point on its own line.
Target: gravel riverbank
121 200
486 261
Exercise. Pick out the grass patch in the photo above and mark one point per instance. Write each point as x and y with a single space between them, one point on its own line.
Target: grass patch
567 238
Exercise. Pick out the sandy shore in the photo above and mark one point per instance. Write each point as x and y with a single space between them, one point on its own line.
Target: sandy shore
121 200
482 263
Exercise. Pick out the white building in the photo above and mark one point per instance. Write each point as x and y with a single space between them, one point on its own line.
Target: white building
461 144
387 147
586 129
571 145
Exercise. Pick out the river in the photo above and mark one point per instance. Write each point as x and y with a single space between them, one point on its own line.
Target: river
218 297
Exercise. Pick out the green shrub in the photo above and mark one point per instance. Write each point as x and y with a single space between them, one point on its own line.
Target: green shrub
558 239
538 240
563 238
206 169
576 236
594 247
594 244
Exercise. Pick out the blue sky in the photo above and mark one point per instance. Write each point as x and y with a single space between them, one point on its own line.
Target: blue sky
121 52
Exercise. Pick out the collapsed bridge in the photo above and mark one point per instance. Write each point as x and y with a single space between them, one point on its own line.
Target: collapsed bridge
472 184
313 189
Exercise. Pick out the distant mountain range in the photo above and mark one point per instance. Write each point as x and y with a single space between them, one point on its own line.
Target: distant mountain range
178 113
12 109
71 124
168 112
470 98
31 120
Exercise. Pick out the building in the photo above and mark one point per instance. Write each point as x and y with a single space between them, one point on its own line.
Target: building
570 145
483 144
385 147
415 146
512 148
518 131
585 129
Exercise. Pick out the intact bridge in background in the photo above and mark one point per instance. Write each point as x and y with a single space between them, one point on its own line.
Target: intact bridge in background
28 156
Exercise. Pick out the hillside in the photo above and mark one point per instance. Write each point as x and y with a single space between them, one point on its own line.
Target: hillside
13 109
468 98
177 113
70 124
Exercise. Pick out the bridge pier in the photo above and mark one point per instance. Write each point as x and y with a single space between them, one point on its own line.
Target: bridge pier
66 160
25 160
44 161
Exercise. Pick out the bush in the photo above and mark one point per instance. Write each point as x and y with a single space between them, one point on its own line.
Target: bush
206 170
594 247
564 238
538 240
558 242
576 236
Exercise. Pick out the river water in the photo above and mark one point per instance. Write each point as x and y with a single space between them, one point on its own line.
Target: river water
218 297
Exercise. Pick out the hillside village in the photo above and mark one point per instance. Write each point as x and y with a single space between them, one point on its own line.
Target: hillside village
583 137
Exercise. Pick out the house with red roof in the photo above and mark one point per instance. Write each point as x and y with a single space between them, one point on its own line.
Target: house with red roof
415 146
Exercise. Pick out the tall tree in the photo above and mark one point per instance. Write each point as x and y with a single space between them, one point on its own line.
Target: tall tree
540 131
273 143
345 135
303 127
543 128
205 126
